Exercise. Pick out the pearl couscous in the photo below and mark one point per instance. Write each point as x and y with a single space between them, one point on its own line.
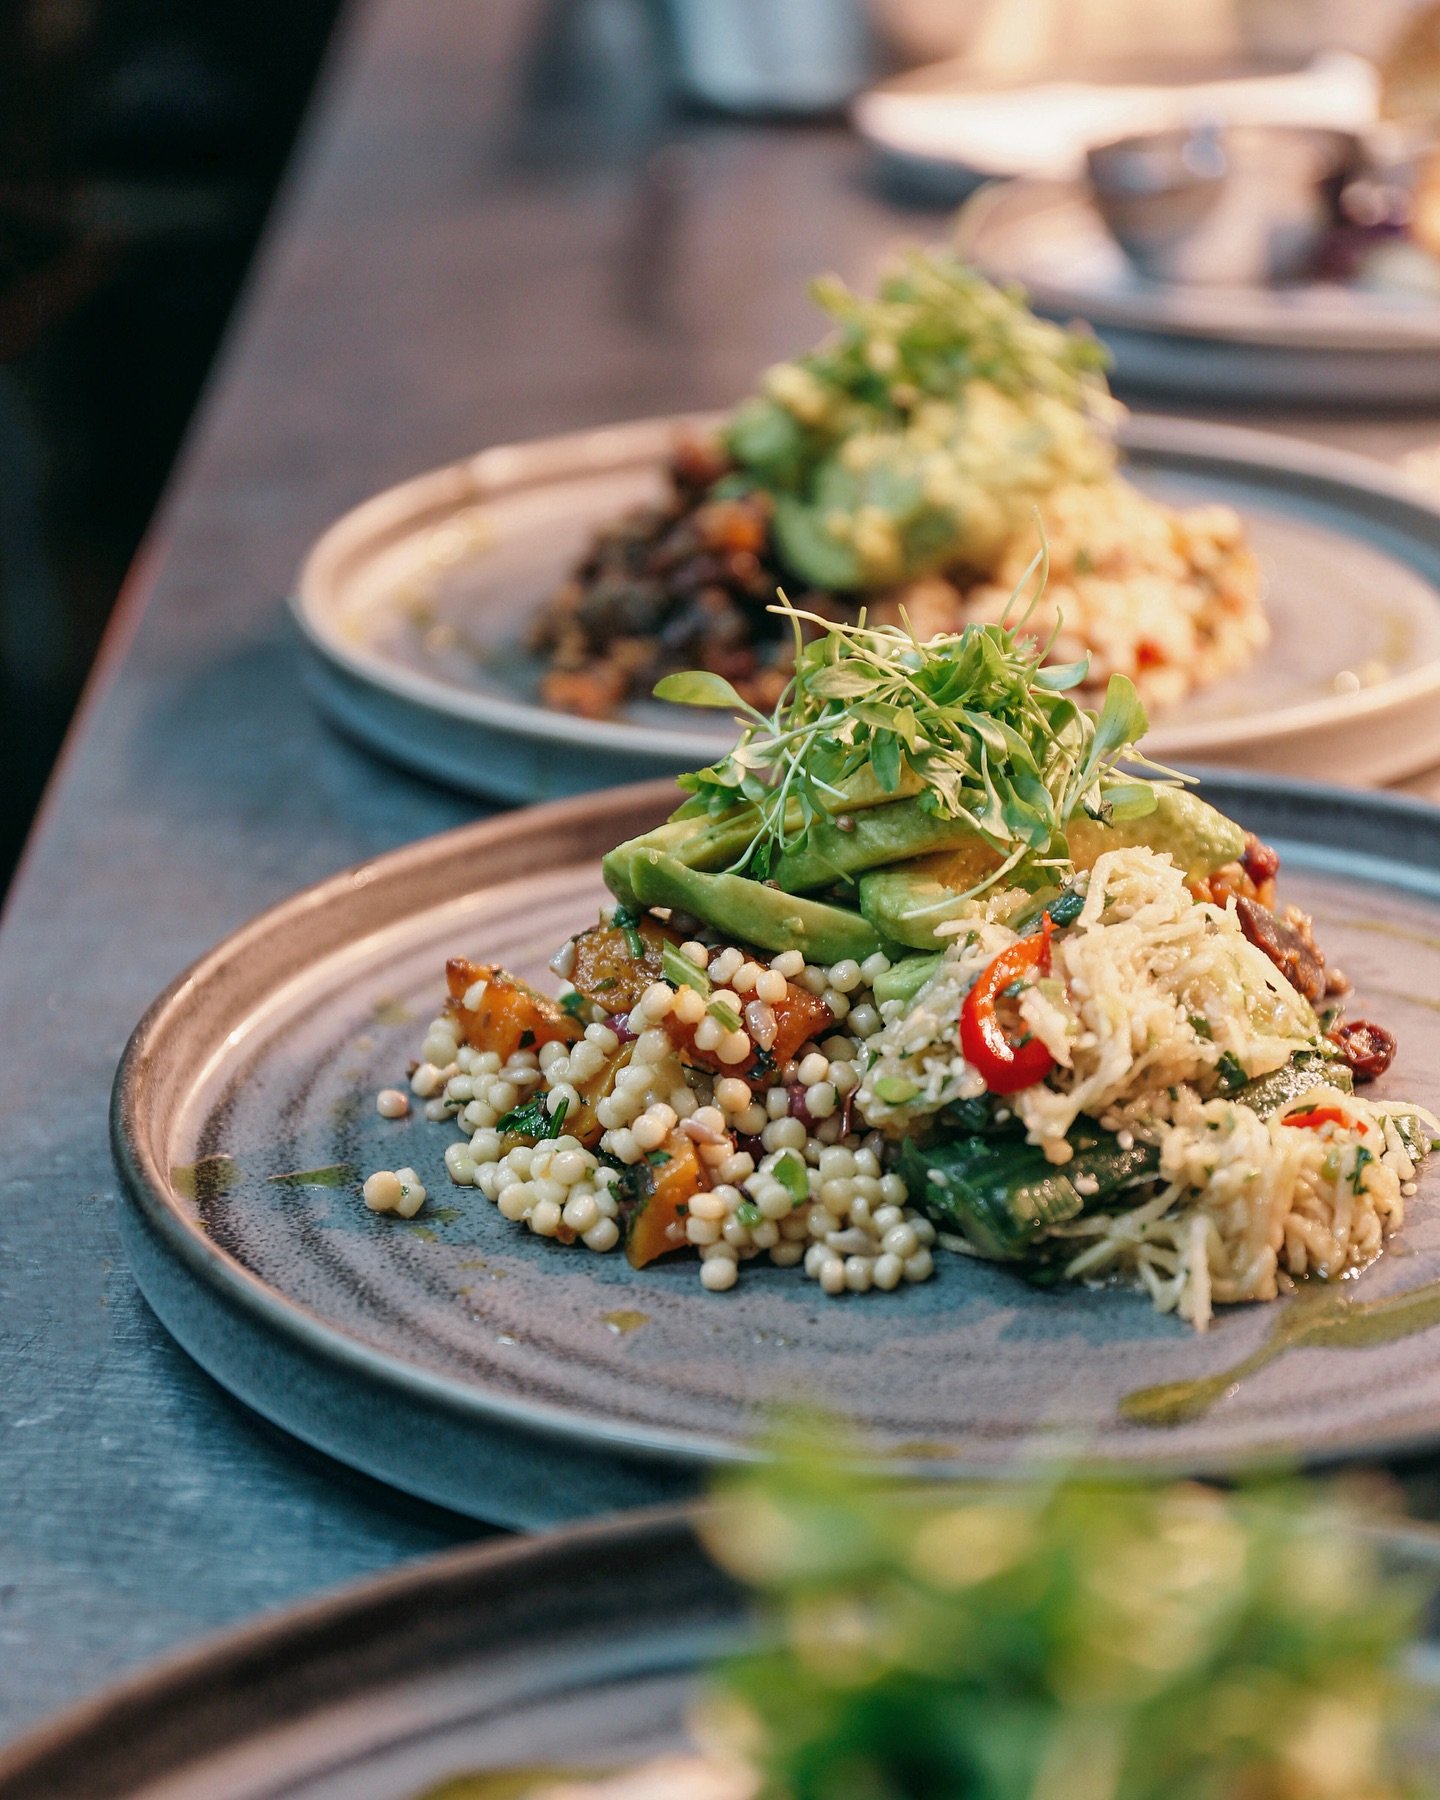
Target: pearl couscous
778 1164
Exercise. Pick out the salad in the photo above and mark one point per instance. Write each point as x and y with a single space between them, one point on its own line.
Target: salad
901 463
1086 1641
934 960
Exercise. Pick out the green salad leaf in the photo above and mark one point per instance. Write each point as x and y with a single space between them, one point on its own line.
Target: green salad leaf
1070 1639
924 427
971 725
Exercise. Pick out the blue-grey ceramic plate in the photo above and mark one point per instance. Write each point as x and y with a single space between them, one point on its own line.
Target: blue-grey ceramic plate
581 1650
494 1372
414 610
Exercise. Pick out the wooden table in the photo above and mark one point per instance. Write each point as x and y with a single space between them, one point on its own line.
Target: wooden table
463 256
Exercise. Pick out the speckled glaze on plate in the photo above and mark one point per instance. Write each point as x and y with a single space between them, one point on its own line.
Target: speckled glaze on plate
414 609
581 1650
479 1366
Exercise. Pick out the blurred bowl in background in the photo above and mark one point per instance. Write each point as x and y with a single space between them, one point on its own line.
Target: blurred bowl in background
772 56
1247 205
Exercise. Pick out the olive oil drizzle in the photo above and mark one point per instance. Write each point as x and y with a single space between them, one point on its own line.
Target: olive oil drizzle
1317 1318
512 1784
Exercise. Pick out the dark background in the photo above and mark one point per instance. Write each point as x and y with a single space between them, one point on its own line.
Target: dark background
141 142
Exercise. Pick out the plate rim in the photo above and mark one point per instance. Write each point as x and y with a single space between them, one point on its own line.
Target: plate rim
145 1186
297 1630
490 473
1006 200
301 1626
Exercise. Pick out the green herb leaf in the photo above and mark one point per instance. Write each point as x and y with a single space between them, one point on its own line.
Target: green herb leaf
894 1090
533 1120
628 922
790 1171
698 687
679 971
724 1015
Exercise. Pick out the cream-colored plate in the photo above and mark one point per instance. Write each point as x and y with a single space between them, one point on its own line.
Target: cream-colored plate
415 607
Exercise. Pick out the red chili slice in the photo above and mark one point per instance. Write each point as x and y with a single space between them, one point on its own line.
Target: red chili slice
1316 1116
1006 1067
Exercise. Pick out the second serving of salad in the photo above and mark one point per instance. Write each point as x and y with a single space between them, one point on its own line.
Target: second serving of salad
900 463
933 959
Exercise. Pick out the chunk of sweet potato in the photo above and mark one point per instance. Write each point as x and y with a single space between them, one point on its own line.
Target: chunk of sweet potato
657 1225
799 1017
509 1015
606 969
584 1124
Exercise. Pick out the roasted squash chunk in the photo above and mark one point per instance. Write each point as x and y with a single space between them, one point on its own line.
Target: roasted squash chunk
509 1014
799 1017
608 971
657 1224
583 1124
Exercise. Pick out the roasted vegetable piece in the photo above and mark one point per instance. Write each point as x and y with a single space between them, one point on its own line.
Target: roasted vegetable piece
581 1122
656 1226
1288 942
1005 1065
508 1014
1000 1195
606 968
799 1017
1368 1049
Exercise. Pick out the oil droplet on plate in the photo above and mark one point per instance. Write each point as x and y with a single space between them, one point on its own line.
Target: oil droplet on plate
333 1175
624 1321
206 1179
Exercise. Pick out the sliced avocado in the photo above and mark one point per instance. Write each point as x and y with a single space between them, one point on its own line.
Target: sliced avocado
876 837
908 902
697 842
904 979
1200 839
752 913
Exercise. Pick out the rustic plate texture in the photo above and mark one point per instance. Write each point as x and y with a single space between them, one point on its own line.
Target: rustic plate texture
580 1650
414 611
479 1366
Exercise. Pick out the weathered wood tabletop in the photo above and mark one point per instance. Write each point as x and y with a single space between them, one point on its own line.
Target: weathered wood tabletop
495 229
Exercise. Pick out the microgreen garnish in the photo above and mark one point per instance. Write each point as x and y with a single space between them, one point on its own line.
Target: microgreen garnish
973 722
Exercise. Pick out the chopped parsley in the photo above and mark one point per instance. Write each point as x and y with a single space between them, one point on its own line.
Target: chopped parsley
533 1121
628 923
679 971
